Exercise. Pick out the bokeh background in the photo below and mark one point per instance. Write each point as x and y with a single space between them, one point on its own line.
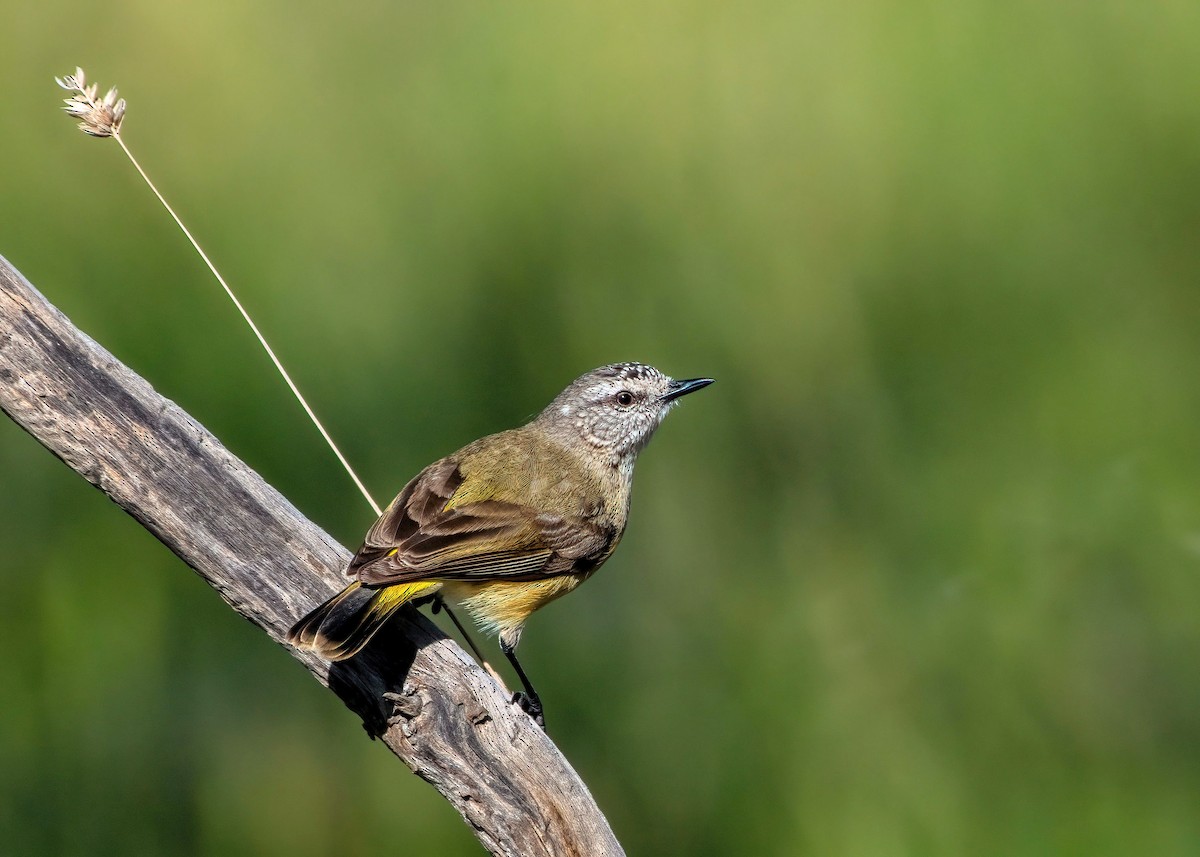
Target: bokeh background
919 576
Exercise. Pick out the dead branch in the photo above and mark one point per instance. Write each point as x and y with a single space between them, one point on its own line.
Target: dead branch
415 689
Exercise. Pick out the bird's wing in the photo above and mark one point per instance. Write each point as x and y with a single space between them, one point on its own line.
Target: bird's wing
422 537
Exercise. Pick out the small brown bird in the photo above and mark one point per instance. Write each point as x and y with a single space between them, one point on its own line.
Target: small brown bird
508 523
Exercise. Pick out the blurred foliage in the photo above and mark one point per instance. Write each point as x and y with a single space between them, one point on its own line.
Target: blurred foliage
918 576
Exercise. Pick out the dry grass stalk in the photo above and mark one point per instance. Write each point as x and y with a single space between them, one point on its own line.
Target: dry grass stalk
101 117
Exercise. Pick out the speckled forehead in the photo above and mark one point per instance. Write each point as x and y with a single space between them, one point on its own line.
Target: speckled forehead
631 371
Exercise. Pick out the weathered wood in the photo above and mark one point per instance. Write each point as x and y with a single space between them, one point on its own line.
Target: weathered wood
414 688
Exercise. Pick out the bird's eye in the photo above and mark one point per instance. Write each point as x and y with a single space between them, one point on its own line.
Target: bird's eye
625 398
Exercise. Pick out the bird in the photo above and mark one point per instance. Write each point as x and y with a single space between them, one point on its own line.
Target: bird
508 523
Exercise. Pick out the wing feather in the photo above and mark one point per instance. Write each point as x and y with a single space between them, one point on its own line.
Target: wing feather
423 536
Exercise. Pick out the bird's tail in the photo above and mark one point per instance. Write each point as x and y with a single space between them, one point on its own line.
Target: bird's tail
340 627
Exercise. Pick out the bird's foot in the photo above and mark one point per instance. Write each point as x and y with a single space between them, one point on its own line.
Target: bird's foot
531 705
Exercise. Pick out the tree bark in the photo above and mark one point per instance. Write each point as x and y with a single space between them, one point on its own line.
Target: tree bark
415 689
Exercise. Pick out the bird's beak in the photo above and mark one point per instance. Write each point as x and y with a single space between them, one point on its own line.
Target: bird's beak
681 388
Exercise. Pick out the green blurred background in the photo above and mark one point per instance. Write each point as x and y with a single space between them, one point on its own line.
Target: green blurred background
919 576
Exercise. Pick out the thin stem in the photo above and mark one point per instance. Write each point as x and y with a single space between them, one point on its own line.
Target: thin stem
286 377
262 340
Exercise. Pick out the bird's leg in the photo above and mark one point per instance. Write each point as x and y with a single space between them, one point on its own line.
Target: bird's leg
439 605
528 700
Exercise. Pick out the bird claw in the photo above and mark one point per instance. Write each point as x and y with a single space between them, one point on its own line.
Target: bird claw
532 706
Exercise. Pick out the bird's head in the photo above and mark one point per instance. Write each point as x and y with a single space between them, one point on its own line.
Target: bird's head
615 409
